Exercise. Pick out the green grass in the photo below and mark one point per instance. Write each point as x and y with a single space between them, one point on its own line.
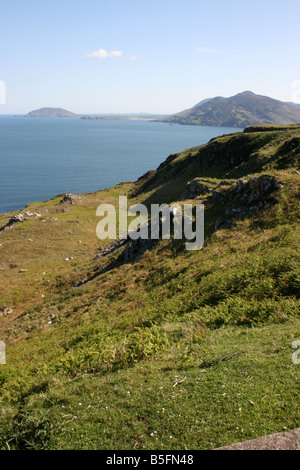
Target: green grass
241 384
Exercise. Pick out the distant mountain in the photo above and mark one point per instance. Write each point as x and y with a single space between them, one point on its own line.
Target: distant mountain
201 103
51 112
296 105
242 110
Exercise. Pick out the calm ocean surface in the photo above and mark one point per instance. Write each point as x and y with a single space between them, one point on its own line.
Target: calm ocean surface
41 157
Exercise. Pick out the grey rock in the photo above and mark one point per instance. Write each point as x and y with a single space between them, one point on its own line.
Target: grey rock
245 197
8 311
193 189
19 218
280 441
253 196
16 218
217 195
240 184
70 198
220 222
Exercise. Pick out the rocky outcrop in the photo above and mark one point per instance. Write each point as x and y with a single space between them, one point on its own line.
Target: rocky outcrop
239 200
194 189
19 218
245 197
111 248
135 248
70 198
16 218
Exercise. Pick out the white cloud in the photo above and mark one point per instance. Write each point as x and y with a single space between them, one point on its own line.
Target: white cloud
103 54
135 57
207 49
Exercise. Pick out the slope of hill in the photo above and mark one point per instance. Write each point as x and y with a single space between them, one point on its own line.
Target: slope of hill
51 112
168 349
296 105
242 110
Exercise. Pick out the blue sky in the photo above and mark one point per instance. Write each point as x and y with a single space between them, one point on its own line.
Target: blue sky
154 56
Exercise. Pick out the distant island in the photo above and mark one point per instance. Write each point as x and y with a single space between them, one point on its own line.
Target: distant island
242 110
51 113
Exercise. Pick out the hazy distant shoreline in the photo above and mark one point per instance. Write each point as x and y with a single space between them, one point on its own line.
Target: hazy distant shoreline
64 113
128 117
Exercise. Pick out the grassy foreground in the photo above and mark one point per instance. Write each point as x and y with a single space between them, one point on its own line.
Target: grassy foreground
173 349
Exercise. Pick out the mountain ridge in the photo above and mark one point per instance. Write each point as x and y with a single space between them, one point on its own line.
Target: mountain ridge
242 110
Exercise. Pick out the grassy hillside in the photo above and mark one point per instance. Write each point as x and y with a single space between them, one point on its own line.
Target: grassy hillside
173 349
242 110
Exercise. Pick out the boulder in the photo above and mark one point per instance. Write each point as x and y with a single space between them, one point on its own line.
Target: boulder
193 189
70 198
6 311
280 441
